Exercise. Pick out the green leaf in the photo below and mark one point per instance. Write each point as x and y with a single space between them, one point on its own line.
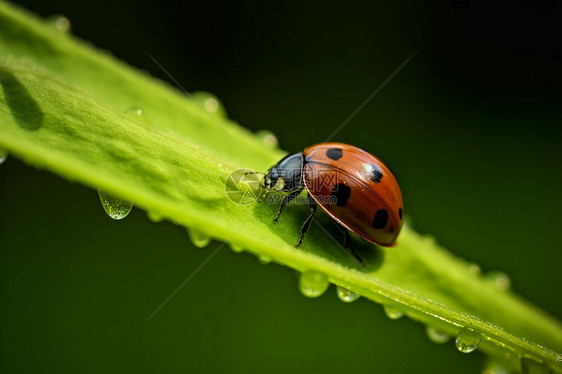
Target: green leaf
80 113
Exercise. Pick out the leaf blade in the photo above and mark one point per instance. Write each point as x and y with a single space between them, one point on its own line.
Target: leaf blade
175 165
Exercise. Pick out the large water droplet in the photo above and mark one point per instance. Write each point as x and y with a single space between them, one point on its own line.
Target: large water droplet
114 207
198 238
3 155
500 280
268 138
532 366
393 311
468 340
60 23
313 283
437 336
346 295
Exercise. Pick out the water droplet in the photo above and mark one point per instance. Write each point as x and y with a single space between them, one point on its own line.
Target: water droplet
437 336
493 366
474 269
3 155
114 207
268 138
532 366
501 280
236 247
60 23
136 113
346 295
468 340
210 103
393 311
154 217
264 260
313 283
198 238
430 239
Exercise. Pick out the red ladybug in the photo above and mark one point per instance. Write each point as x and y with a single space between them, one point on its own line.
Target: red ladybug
354 187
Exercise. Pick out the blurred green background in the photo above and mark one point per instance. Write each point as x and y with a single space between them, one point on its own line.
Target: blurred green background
471 128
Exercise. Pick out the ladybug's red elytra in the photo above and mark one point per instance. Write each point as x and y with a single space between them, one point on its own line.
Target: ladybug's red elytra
354 187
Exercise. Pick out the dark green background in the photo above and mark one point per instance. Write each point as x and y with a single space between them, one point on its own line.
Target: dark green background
471 127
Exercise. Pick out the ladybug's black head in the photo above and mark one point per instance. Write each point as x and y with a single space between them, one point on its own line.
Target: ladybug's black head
286 175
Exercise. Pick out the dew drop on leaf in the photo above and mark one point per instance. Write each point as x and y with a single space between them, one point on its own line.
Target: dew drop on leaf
3 155
436 335
136 113
494 366
198 238
236 247
474 269
210 103
313 283
154 216
531 366
268 138
114 207
346 295
61 23
392 311
264 260
467 340
430 240
500 280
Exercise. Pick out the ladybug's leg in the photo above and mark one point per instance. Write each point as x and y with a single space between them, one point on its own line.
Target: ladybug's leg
312 205
346 237
347 243
288 199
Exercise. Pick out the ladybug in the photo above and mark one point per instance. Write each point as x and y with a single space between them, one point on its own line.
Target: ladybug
354 187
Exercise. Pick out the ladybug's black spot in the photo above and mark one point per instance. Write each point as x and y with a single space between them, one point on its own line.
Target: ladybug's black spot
376 174
400 213
341 192
334 153
381 219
